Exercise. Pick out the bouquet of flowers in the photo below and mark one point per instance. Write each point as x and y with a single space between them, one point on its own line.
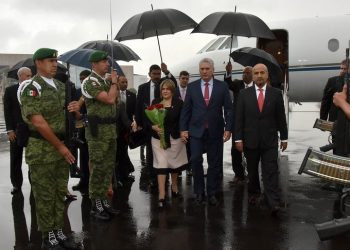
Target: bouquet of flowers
156 114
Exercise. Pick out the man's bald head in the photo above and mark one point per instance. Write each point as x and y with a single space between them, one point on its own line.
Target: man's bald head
260 75
23 74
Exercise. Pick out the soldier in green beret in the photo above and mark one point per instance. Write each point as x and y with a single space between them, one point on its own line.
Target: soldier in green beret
42 102
100 100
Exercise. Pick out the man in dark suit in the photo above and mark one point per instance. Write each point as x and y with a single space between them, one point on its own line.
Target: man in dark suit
146 93
236 86
260 115
125 166
328 110
180 93
202 120
13 118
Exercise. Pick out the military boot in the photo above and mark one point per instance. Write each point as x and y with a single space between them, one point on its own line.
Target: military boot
98 212
109 209
50 242
66 242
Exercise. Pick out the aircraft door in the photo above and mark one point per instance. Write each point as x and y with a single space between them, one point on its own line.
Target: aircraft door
279 49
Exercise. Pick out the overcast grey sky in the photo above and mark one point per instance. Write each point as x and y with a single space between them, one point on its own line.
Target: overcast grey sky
26 25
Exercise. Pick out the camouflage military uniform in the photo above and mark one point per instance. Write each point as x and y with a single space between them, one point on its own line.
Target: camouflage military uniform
102 146
48 169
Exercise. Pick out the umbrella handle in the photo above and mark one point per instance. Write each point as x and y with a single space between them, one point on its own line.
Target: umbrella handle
160 51
229 56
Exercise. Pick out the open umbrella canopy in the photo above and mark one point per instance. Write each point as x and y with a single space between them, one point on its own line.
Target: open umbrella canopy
120 51
80 57
234 23
248 56
155 23
29 63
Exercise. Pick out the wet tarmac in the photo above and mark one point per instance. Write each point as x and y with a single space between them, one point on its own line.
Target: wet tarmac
233 224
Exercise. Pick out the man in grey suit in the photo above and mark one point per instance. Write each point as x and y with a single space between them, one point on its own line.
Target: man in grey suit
208 127
259 116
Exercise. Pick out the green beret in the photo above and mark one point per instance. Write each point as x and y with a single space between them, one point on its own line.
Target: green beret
97 56
44 53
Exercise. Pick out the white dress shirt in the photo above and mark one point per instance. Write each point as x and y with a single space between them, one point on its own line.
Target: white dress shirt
210 85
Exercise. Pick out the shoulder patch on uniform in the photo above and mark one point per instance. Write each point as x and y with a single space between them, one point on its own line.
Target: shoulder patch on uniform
83 90
94 81
28 88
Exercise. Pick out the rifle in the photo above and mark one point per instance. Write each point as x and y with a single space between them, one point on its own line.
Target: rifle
71 135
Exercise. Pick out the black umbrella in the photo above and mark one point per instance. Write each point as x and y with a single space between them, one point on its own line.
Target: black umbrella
120 51
234 24
248 56
80 57
29 63
155 23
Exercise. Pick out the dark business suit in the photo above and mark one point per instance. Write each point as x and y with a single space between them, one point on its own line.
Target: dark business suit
235 86
125 166
142 101
206 126
328 110
13 118
188 147
259 133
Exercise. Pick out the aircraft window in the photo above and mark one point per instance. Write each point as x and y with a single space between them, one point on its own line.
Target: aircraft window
333 45
215 44
227 43
206 46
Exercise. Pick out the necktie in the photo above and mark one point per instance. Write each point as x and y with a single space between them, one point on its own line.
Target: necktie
261 99
183 94
152 94
123 96
206 93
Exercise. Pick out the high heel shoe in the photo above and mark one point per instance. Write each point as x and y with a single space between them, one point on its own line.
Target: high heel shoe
161 203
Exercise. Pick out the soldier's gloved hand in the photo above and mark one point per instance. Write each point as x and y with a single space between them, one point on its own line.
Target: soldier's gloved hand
68 156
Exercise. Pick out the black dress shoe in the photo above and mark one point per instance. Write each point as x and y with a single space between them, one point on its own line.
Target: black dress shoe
71 197
161 203
254 199
212 200
66 242
15 190
176 195
275 210
200 199
131 178
98 212
109 209
189 173
237 181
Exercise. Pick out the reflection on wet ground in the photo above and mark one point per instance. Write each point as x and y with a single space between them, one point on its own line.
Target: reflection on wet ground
233 224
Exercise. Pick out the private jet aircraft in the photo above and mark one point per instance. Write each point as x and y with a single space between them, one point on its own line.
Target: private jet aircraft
308 50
